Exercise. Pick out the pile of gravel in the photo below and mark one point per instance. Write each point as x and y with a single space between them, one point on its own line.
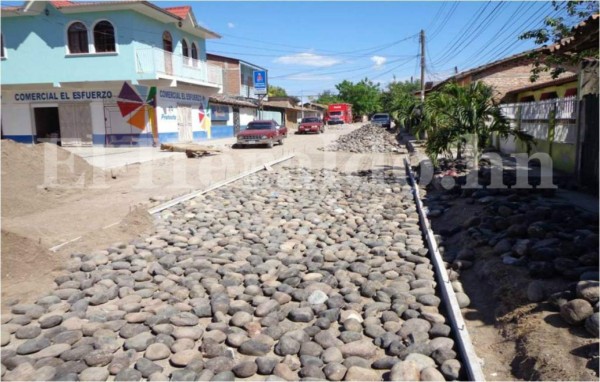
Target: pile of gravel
367 139
289 274
554 242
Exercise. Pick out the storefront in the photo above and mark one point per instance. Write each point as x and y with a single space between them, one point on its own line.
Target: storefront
229 116
125 114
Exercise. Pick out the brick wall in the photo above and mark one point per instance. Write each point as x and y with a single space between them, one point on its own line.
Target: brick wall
231 73
511 76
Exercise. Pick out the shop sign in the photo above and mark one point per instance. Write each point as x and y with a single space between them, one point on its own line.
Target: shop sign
74 95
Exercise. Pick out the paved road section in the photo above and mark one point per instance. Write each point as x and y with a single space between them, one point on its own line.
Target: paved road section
288 274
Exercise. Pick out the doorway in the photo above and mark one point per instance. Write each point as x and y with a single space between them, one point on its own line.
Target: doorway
75 124
168 52
47 125
184 123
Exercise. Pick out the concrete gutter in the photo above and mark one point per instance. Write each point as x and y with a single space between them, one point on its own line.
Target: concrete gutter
465 346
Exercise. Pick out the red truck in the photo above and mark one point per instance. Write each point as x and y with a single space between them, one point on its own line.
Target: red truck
262 133
338 113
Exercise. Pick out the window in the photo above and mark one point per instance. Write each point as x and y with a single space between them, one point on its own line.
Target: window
184 48
167 42
104 37
2 54
528 98
571 92
77 38
548 95
194 51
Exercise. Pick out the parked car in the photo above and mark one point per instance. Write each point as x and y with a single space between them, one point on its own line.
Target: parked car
311 125
382 119
262 133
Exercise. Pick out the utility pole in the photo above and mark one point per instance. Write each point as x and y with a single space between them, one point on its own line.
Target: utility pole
422 40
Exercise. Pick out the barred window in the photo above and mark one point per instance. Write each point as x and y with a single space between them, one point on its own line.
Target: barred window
104 37
77 38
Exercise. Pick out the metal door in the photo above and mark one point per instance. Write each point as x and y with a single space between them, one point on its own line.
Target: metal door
75 124
236 120
117 130
184 123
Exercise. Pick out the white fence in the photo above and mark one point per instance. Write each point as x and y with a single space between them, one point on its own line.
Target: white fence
547 120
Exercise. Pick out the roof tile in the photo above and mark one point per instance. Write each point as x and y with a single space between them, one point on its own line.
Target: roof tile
182 11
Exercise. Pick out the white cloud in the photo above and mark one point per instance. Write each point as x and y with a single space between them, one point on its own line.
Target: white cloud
230 25
307 59
308 77
379 61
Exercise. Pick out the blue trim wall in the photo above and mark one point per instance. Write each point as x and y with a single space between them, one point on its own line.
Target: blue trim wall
221 131
144 139
21 138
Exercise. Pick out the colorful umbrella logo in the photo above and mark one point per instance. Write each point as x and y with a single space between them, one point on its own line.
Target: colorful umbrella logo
139 104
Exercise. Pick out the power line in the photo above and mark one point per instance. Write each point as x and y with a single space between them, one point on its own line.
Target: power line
464 30
437 15
442 25
475 33
351 70
516 15
368 50
509 43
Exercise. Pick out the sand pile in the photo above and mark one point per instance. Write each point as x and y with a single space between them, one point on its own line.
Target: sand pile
27 267
35 177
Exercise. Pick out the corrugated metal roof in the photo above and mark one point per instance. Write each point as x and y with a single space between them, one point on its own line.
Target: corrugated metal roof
228 100
282 104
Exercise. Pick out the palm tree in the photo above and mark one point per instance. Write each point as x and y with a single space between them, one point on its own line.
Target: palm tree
457 117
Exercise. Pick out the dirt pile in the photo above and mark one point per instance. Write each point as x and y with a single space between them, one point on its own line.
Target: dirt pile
35 177
367 139
25 266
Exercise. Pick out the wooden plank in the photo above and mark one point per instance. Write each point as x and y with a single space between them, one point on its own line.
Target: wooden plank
473 363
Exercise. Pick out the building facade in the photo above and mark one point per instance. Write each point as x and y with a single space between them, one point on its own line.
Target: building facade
238 75
230 115
105 73
504 75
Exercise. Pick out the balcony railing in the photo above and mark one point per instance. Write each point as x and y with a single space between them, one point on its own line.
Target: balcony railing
155 61
248 91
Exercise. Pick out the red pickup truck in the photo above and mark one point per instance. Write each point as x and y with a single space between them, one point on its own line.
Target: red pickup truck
311 124
262 133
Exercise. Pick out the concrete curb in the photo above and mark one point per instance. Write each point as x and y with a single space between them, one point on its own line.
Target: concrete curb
192 195
473 363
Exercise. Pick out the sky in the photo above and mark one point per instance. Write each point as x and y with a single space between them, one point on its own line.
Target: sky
309 47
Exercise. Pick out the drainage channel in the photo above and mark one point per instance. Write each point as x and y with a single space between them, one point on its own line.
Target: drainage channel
472 362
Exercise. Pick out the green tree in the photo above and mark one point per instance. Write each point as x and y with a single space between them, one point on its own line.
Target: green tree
364 96
457 116
327 98
276 91
556 29
399 100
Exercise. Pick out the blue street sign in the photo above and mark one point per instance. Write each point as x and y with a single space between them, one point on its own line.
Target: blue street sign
260 82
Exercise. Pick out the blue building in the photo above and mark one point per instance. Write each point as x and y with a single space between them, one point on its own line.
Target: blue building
106 73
